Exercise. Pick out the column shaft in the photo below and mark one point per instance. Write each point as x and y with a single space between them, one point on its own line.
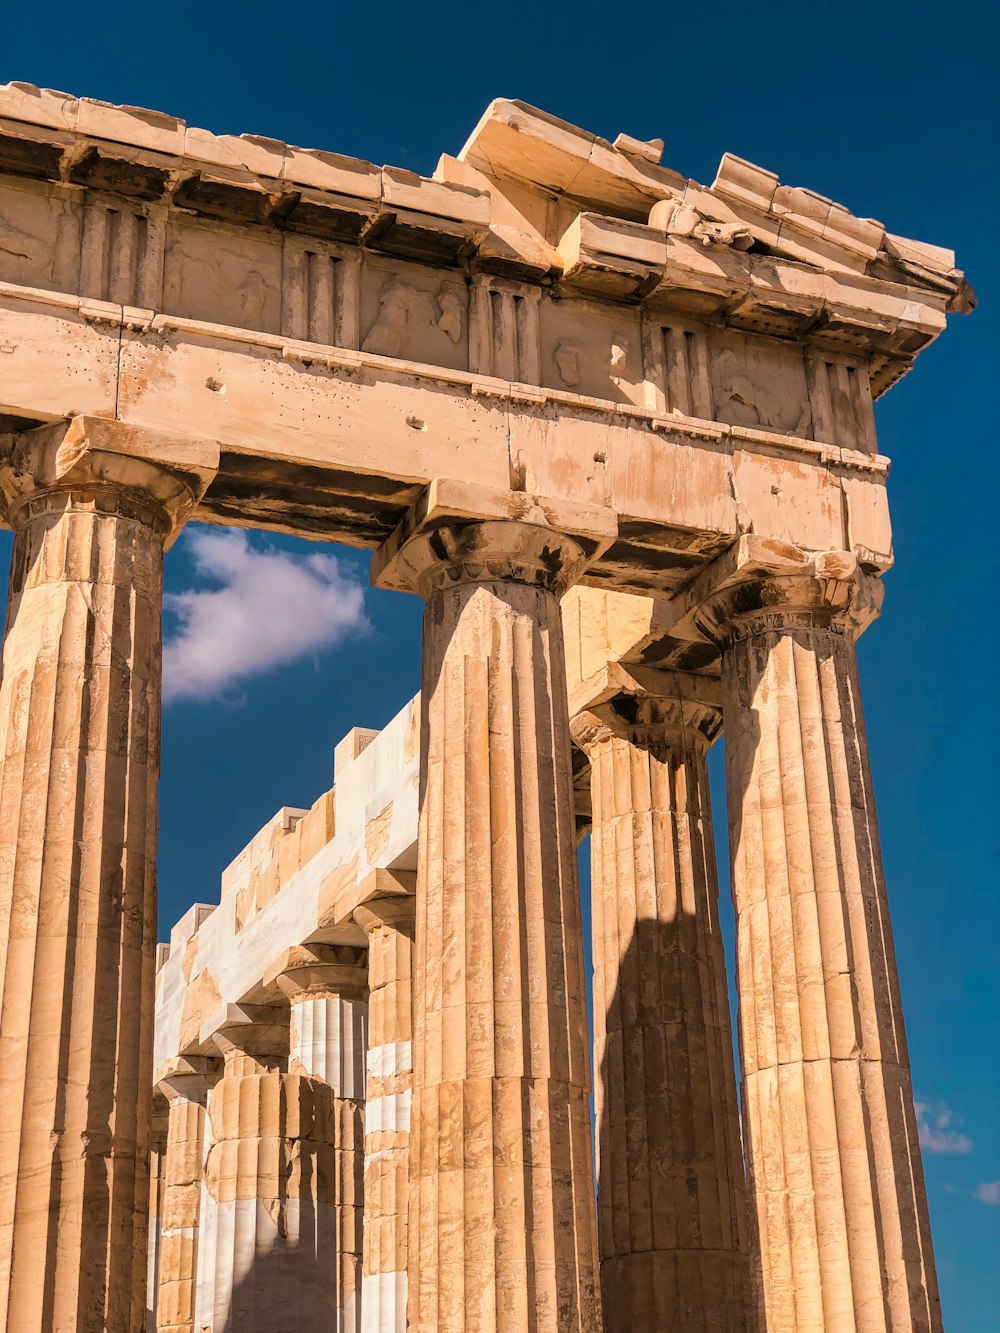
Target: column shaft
671 1189
328 991
180 1214
157 1165
329 1040
390 927
79 739
501 1197
270 1176
835 1161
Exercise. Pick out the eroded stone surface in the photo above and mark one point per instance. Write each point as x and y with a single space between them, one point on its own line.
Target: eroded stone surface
555 360
79 716
389 924
501 1223
831 1134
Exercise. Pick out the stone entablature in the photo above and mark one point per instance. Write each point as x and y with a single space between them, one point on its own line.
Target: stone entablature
135 208
550 313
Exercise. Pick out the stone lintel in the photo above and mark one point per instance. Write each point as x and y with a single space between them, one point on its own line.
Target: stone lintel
317 970
168 472
531 538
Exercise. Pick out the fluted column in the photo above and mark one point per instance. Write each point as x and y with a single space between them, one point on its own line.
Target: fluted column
389 924
271 1233
186 1091
79 736
502 1231
157 1163
671 1190
835 1163
327 989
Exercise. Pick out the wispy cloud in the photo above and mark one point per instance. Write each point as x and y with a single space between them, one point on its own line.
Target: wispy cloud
989 1192
267 608
936 1132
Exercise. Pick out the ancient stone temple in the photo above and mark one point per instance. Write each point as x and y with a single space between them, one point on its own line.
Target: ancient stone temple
615 428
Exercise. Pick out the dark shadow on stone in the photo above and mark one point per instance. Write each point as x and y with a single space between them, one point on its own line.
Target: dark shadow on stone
685 1250
290 1288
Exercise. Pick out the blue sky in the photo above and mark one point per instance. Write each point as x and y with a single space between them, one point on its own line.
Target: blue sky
886 108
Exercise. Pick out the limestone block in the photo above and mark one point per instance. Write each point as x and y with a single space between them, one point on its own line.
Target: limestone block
592 350
222 274
44 347
516 141
800 502
347 750
131 125
38 106
421 426
333 174
40 224
610 258
316 828
412 313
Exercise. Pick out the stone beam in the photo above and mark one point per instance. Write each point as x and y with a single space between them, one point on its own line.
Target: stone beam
295 430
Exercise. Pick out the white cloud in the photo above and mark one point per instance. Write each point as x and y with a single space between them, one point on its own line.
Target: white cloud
268 608
936 1134
989 1192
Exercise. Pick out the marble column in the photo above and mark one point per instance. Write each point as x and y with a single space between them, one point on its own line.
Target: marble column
327 988
502 1231
157 1161
79 737
832 1138
270 1234
186 1091
389 924
671 1189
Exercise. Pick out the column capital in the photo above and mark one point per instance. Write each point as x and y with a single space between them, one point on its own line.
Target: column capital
133 471
761 585
318 970
654 710
188 1077
398 911
460 532
251 1037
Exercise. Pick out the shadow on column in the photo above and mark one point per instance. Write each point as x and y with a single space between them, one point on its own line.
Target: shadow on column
881 1194
291 1287
671 1186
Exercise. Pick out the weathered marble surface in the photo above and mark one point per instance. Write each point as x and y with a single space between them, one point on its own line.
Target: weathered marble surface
554 361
